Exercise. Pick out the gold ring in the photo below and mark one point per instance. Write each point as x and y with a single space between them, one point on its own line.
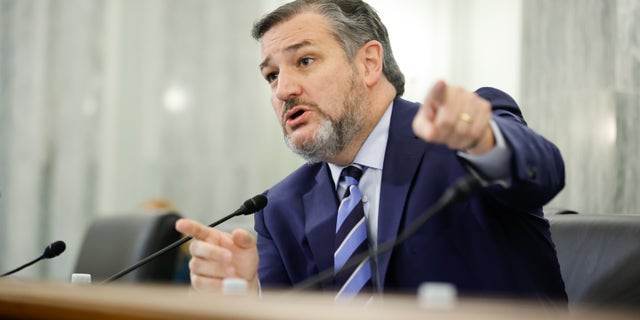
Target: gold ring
466 117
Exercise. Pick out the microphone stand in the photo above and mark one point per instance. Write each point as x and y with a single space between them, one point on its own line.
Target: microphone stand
250 206
22 267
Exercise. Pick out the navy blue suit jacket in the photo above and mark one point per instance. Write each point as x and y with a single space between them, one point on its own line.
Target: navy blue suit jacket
496 243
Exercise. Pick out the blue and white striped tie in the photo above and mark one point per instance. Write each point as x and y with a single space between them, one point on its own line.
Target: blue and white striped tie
351 238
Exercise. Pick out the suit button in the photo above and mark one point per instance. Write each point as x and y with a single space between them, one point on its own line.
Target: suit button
532 172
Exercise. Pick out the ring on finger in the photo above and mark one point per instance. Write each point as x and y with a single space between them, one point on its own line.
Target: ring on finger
465 117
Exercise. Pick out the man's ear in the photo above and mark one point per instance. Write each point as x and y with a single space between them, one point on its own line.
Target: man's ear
372 56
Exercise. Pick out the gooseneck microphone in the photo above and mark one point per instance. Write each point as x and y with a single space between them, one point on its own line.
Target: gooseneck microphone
53 250
250 206
460 190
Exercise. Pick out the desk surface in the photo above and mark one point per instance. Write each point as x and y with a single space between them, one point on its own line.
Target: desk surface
26 300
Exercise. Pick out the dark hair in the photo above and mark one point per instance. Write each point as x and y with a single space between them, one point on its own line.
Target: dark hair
353 23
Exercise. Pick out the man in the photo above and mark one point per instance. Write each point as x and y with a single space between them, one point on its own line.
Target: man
335 88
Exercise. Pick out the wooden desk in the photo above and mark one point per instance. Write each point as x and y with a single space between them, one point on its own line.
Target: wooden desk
25 300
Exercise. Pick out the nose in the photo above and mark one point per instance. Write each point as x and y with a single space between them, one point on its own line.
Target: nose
288 86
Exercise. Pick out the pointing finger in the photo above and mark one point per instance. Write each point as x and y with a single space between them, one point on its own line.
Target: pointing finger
424 125
196 230
437 95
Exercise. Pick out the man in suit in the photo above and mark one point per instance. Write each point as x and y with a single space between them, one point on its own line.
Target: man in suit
336 91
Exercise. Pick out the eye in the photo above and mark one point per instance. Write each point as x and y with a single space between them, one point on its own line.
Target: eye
305 61
271 77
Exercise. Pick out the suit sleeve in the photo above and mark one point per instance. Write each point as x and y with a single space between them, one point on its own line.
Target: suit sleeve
536 165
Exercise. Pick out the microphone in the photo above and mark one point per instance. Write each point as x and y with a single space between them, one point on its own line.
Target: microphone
250 206
53 250
460 190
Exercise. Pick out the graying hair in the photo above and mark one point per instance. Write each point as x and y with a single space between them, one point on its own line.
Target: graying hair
354 23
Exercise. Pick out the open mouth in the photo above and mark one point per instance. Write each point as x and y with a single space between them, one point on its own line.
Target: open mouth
296 114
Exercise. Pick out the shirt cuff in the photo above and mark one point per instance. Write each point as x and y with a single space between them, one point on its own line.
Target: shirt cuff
492 166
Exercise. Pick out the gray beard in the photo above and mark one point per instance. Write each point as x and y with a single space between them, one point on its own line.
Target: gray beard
334 134
328 141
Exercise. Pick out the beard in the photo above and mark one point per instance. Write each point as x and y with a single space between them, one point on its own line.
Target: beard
333 134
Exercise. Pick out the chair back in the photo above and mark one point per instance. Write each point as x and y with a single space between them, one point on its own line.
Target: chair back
114 243
599 256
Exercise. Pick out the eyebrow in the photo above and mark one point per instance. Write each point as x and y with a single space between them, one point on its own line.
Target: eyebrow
293 47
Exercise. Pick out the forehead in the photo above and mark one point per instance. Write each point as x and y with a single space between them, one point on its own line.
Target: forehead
307 27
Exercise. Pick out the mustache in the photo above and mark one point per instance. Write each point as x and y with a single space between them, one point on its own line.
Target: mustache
295 101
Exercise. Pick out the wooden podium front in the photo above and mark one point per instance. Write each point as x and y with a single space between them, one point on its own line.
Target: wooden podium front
27 300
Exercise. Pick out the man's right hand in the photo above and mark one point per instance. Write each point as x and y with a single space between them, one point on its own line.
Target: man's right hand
217 255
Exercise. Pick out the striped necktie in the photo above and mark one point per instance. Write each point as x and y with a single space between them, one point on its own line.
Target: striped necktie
351 238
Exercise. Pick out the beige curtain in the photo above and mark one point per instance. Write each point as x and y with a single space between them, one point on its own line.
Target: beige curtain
104 104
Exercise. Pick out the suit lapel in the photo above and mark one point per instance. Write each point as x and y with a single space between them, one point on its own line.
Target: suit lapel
320 214
402 157
403 154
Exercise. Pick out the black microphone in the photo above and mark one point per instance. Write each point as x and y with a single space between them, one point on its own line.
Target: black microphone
460 190
53 250
250 206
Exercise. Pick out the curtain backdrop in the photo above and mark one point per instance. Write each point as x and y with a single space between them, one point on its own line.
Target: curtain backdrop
105 104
